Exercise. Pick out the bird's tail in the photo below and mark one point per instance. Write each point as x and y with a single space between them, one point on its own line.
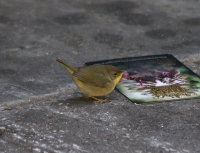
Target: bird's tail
69 68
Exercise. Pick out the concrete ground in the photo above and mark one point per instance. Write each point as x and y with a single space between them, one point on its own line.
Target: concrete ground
41 110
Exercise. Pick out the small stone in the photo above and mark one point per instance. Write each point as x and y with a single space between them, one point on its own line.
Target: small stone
7 108
2 128
61 131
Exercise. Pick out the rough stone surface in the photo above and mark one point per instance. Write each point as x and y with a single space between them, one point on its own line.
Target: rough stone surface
41 110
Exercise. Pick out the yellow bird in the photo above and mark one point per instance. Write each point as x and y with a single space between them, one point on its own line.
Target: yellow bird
95 80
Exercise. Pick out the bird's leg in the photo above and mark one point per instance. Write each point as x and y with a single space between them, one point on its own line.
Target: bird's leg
98 100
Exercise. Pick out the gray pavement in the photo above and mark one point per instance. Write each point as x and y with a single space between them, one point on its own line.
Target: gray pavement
41 110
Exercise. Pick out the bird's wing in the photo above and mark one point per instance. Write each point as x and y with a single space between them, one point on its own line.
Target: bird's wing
92 75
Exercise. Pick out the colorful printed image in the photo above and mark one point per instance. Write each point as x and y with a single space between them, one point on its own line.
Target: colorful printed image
156 78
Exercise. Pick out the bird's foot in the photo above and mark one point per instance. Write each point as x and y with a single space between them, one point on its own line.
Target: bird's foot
97 100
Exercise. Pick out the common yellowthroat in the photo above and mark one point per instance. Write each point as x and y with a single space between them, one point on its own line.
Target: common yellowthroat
95 80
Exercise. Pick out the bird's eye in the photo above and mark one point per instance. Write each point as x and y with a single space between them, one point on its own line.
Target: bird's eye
115 74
